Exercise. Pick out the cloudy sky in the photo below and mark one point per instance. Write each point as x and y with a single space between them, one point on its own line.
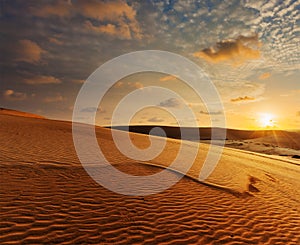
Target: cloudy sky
249 49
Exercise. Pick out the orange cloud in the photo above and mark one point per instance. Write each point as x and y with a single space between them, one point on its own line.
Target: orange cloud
78 81
12 95
109 28
56 98
242 99
167 78
120 16
264 76
106 11
93 109
236 50
136 85
42 80
120 31
57 8
55 41
119 84
28 51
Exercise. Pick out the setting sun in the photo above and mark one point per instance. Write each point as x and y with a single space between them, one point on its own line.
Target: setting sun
266 120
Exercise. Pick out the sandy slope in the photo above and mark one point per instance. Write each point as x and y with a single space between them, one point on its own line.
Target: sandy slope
4 111
252 140
47 197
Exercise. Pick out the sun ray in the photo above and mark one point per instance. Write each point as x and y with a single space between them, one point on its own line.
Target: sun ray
266 120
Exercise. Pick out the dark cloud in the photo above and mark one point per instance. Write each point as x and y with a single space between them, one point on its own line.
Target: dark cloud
92 109
155 119
56 8
241 99
55 41
172 102
114 18
119 18
23 50
211 113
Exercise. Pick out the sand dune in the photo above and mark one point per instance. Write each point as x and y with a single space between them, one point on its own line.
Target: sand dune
47 197
274 142
4 111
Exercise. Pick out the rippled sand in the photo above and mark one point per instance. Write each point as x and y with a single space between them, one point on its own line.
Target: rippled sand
47 197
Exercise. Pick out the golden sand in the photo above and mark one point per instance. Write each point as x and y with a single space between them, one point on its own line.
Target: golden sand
47 197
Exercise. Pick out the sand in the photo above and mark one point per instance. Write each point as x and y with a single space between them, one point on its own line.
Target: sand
4 111
48 198
269 141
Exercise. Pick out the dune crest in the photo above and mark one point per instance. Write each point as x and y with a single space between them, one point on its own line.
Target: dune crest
273 142
5 111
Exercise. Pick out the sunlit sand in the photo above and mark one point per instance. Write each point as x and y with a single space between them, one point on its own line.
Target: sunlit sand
47 197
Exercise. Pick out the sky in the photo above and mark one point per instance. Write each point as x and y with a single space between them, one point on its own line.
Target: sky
249 49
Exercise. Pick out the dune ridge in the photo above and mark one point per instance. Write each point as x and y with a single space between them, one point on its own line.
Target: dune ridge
6 111
48 198
272 142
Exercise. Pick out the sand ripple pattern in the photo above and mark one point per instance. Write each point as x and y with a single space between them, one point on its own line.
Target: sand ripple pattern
46 197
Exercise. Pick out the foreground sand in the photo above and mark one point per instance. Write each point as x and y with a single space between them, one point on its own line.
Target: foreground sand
47 197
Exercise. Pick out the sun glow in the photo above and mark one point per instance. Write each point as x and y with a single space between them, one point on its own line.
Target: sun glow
266 120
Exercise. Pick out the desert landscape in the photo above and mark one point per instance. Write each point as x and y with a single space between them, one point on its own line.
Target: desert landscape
149 122
47 197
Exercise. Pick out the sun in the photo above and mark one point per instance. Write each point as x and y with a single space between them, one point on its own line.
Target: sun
266 120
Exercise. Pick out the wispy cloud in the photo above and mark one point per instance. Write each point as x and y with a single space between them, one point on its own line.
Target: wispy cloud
123 32
78 81
55 98
172 102
93 109
167 78
242 99
137 85
122 84
55 41
238 90
56 8
42 80
155 119
264 76
13 95
211 113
